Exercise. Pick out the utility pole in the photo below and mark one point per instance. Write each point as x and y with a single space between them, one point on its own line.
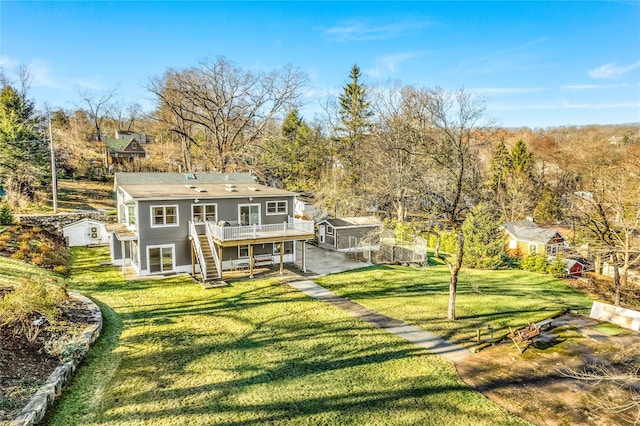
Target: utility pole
54 180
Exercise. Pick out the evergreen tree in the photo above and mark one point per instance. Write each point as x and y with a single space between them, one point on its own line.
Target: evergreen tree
296 157
521 159
500 166
548 209
355 114
23 155
484 241
6 218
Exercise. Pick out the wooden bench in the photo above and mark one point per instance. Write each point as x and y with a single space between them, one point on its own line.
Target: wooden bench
526 334
262 260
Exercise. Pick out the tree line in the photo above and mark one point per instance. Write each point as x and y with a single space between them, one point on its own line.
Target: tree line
423 155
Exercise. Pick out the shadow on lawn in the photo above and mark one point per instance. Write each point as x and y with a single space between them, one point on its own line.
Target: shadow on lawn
225 355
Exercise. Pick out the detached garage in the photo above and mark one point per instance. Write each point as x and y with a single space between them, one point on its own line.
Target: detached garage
86 232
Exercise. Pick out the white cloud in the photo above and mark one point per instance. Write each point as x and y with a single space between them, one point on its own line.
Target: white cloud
43 75
7 62
612 70
582 86
563 105
389 64
355 30
507 90
596 86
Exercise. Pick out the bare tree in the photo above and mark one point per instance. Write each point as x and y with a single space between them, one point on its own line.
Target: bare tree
609 211
220 109
621 377
393 169
451 183
97 107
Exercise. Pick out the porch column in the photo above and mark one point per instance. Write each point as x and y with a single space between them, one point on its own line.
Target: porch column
281 257
124 257
250 261
304 263
193 260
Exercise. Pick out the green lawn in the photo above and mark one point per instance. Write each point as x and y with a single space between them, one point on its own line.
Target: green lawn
485 298
12 270
255 352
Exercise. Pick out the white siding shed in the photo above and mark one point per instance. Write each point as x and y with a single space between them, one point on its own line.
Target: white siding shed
86 232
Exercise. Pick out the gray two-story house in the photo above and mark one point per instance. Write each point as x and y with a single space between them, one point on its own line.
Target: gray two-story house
203 223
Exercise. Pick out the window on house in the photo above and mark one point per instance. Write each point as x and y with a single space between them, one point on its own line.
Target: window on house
204 212
243 252
131 215
160 259
329 229
134 145
249 214
164 216
276 207
533 249
276 249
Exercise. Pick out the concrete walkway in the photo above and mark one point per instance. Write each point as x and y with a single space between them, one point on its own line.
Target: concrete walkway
412 334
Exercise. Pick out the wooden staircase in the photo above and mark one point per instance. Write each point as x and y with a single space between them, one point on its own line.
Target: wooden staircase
208 255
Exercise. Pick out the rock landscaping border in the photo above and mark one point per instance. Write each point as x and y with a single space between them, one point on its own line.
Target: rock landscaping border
37 407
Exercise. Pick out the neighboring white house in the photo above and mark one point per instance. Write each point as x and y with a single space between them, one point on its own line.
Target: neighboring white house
86 232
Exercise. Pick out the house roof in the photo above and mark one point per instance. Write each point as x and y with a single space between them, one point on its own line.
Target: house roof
116 145
527 230
83 221
196 179
353 222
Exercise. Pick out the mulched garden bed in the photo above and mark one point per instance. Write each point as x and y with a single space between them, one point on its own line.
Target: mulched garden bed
26 365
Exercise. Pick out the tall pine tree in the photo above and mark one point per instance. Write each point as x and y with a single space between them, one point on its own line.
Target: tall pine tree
355 121
23 156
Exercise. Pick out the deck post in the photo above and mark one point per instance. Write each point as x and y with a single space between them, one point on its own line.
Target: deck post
304 263
220 260
250 261
193 260
281 257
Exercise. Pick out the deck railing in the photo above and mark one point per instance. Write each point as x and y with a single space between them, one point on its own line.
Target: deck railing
291 227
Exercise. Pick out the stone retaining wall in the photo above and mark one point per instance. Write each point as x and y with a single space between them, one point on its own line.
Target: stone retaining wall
55 222
626 318
37 407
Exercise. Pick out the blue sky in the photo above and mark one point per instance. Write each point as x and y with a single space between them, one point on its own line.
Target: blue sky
539 64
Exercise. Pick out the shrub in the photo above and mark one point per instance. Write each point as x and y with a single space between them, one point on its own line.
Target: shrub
61 269
31 298
26 236
37 259
557 268
404 231
45 248
19 255
5 238
535 263
36 230
6 218
24 246
66 347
